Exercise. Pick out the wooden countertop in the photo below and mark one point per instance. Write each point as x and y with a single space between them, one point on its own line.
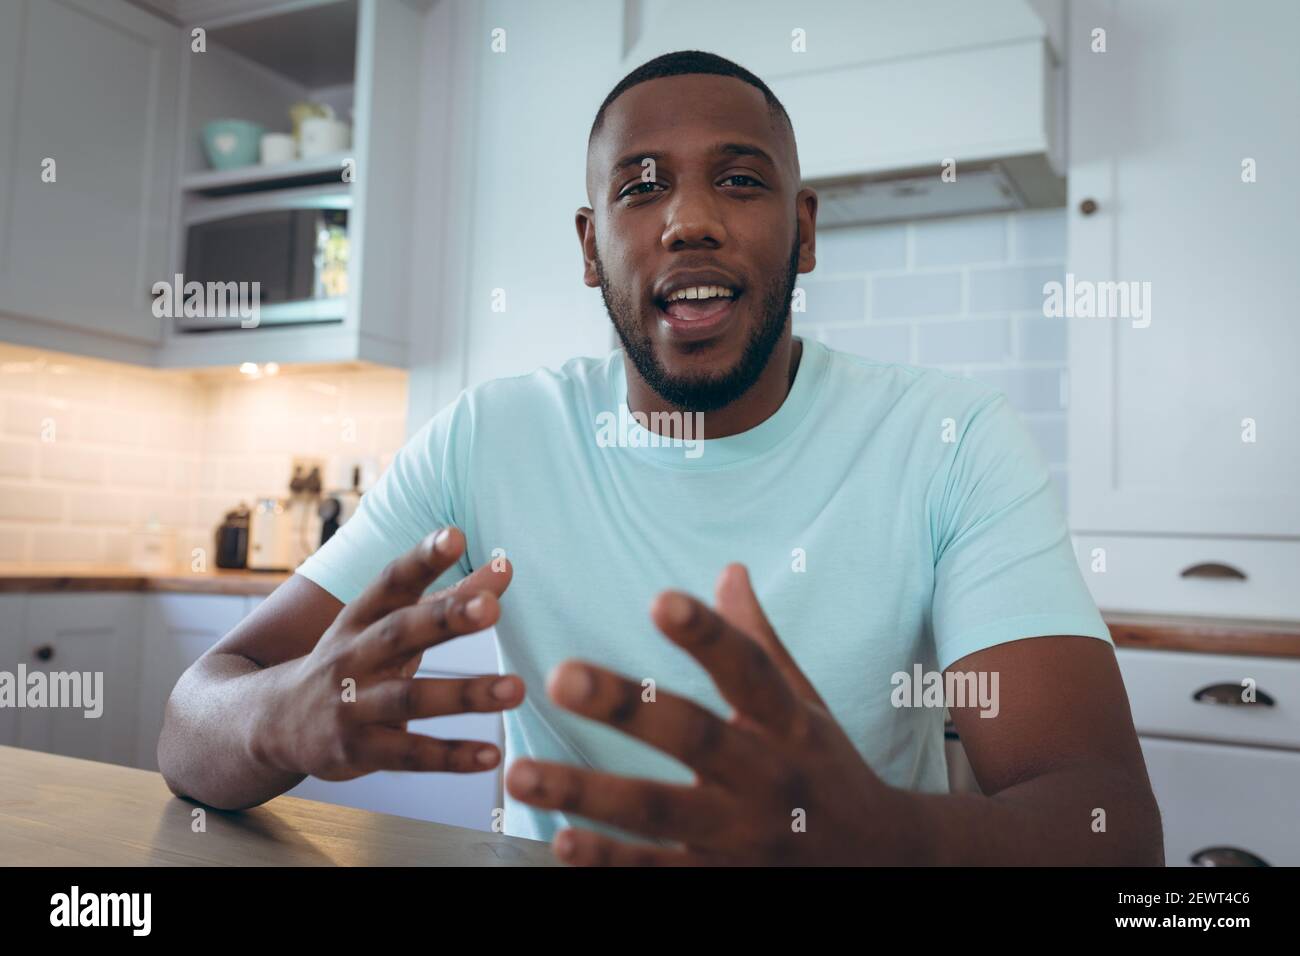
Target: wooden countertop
1148 631
1204 635
28 579
60 811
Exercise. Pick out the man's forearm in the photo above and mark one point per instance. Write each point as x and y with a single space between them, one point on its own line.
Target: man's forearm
1050 820
208 748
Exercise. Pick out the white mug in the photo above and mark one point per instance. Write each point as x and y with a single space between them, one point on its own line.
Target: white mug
277 148
322 135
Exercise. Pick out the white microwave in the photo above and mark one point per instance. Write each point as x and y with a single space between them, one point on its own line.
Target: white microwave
293 243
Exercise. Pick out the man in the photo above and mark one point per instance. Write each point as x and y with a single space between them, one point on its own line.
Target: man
867 525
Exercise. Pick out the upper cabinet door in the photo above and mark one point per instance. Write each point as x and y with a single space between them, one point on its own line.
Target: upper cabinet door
1184 403
90 85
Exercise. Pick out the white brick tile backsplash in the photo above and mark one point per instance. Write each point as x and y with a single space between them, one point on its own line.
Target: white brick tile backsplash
962 294
102 508
958 241
65 461
1049 435
13 545
1042 339
884 343
138 469
130 444
30 503
855 249
834 300
112 426
917 294
1027 389
963 340
17 458
1038 234
1011 288
40 418
66 546
115 547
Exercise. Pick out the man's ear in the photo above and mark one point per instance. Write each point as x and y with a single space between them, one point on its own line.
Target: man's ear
805 205
585 220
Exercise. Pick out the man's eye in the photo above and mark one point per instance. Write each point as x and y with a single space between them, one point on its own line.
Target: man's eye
635 189
749 180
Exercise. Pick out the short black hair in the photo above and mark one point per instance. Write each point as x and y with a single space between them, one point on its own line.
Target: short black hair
682 63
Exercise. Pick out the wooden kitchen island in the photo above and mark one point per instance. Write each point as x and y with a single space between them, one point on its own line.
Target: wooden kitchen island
60 811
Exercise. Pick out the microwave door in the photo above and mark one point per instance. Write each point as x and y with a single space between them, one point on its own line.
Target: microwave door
286 249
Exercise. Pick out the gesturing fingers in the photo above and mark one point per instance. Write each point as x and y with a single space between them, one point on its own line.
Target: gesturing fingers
399 700
411 630
406 577
699 738
584 848
495 576
735 600
385 748
687 813
741 668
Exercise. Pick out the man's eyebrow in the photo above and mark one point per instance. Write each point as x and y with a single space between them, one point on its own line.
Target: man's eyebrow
725 149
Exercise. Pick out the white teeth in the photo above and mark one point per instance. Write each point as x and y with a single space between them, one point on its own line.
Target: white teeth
702 292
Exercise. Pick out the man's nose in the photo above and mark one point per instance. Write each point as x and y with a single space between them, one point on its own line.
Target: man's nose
693 222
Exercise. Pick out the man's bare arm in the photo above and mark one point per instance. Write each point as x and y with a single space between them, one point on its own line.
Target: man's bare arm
265 706
1063 777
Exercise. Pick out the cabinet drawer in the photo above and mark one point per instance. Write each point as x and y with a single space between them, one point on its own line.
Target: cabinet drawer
1217 796
471 654
1196 576
1162 688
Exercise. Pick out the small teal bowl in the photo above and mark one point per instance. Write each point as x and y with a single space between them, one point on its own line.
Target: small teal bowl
231 143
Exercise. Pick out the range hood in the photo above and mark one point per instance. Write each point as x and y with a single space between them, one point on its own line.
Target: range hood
889 93
988 116
993 186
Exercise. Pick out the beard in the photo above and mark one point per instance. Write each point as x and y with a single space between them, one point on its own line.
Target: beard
709 391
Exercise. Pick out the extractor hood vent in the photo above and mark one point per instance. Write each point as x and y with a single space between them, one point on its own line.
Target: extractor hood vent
993 187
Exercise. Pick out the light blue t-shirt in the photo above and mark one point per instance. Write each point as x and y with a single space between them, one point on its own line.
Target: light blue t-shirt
889 516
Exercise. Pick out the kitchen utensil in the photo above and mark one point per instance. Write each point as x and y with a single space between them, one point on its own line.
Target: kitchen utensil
232 539
231 143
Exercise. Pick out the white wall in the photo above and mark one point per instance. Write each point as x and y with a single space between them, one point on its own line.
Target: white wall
503 161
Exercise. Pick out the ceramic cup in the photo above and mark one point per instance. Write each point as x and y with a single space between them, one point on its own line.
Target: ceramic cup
322 135
277 148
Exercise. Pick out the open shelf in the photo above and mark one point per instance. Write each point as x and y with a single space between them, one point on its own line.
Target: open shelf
256 178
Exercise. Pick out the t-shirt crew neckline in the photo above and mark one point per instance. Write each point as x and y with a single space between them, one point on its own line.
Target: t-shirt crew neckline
707 454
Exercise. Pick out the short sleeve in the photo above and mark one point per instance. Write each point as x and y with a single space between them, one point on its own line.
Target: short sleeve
419 492
1004 563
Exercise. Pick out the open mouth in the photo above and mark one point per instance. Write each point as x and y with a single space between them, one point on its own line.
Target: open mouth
697 311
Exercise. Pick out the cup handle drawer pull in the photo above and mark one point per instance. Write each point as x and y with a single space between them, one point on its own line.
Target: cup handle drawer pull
1225 856
1212 569
1230 694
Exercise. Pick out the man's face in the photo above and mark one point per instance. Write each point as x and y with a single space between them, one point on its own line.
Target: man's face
720 209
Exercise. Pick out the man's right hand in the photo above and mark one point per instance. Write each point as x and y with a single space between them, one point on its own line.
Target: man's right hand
324 726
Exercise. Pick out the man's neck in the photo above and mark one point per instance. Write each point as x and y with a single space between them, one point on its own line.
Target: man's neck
756 406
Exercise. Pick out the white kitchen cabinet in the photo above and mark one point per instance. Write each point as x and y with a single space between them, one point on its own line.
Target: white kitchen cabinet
242 77
13 624
1186 100
177 630
90 85
90 634
1219 697
117 98
1221 801
1192 575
